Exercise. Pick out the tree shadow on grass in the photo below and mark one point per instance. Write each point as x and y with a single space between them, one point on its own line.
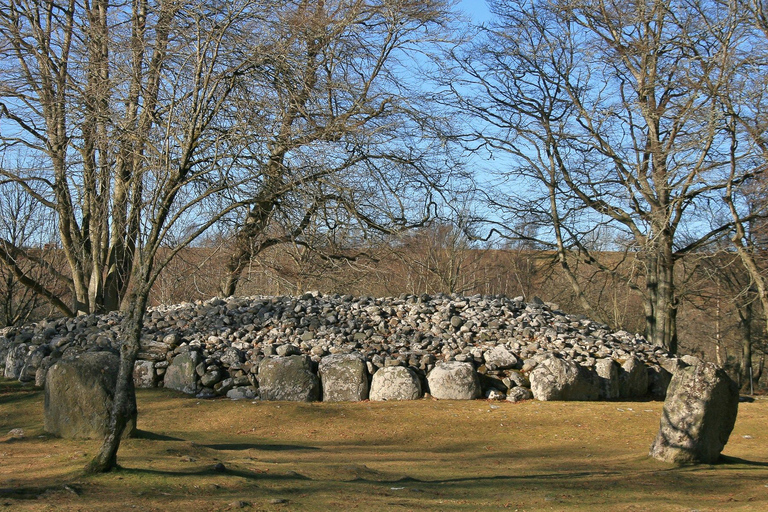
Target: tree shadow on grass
255 446
153 436
726 460
66 484
213 472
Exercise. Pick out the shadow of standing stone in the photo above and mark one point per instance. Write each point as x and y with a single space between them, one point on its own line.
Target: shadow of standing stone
698 415
79 394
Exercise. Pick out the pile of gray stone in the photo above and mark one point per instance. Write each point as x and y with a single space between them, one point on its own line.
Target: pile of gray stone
333 347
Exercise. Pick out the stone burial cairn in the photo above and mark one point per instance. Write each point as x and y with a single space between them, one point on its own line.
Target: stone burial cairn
342 348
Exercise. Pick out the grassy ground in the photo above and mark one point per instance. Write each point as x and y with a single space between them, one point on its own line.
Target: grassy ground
422 455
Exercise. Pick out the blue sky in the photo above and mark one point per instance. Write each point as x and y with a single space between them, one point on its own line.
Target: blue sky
477 9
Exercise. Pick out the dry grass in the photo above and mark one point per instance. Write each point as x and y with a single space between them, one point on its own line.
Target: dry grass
423 455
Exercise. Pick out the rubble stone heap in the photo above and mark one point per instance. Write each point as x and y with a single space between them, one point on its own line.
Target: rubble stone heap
224 341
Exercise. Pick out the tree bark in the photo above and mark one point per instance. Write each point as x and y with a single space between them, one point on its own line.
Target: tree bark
106 459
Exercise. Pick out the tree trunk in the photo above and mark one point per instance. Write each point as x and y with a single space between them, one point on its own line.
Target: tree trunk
745 327
660 301
106 459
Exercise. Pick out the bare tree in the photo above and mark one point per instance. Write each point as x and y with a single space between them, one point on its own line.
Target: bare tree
21 225
342 124
127 107
608 117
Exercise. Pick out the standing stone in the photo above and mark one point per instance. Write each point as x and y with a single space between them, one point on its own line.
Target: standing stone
180 374
395 383
608 378
288 378
562 379
633 379
698 415
344 378
14 361
79 394
5 346
453 380
144 374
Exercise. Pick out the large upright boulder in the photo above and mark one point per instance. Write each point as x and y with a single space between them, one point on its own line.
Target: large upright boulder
32 362
288 378
79 394
344 378
395 383
562 379
180 374
453 380
698 415
15 359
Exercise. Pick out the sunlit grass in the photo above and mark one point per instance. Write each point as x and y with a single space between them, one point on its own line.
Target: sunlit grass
422 455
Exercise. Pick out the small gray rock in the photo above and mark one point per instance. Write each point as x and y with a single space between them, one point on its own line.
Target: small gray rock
518 394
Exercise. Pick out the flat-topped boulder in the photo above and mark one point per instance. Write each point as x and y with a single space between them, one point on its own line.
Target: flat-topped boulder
344 378
79 394
288 378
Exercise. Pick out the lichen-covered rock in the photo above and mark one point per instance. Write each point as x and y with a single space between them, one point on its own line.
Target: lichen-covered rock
144 374
344 378
607 371
698 415
518 394
453 380
32 362
79 394
395 383
180 374
499 357
288 378
562 379
242 393
14 360
633 379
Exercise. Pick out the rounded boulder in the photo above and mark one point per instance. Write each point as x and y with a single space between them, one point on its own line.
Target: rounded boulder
395 383
454 380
